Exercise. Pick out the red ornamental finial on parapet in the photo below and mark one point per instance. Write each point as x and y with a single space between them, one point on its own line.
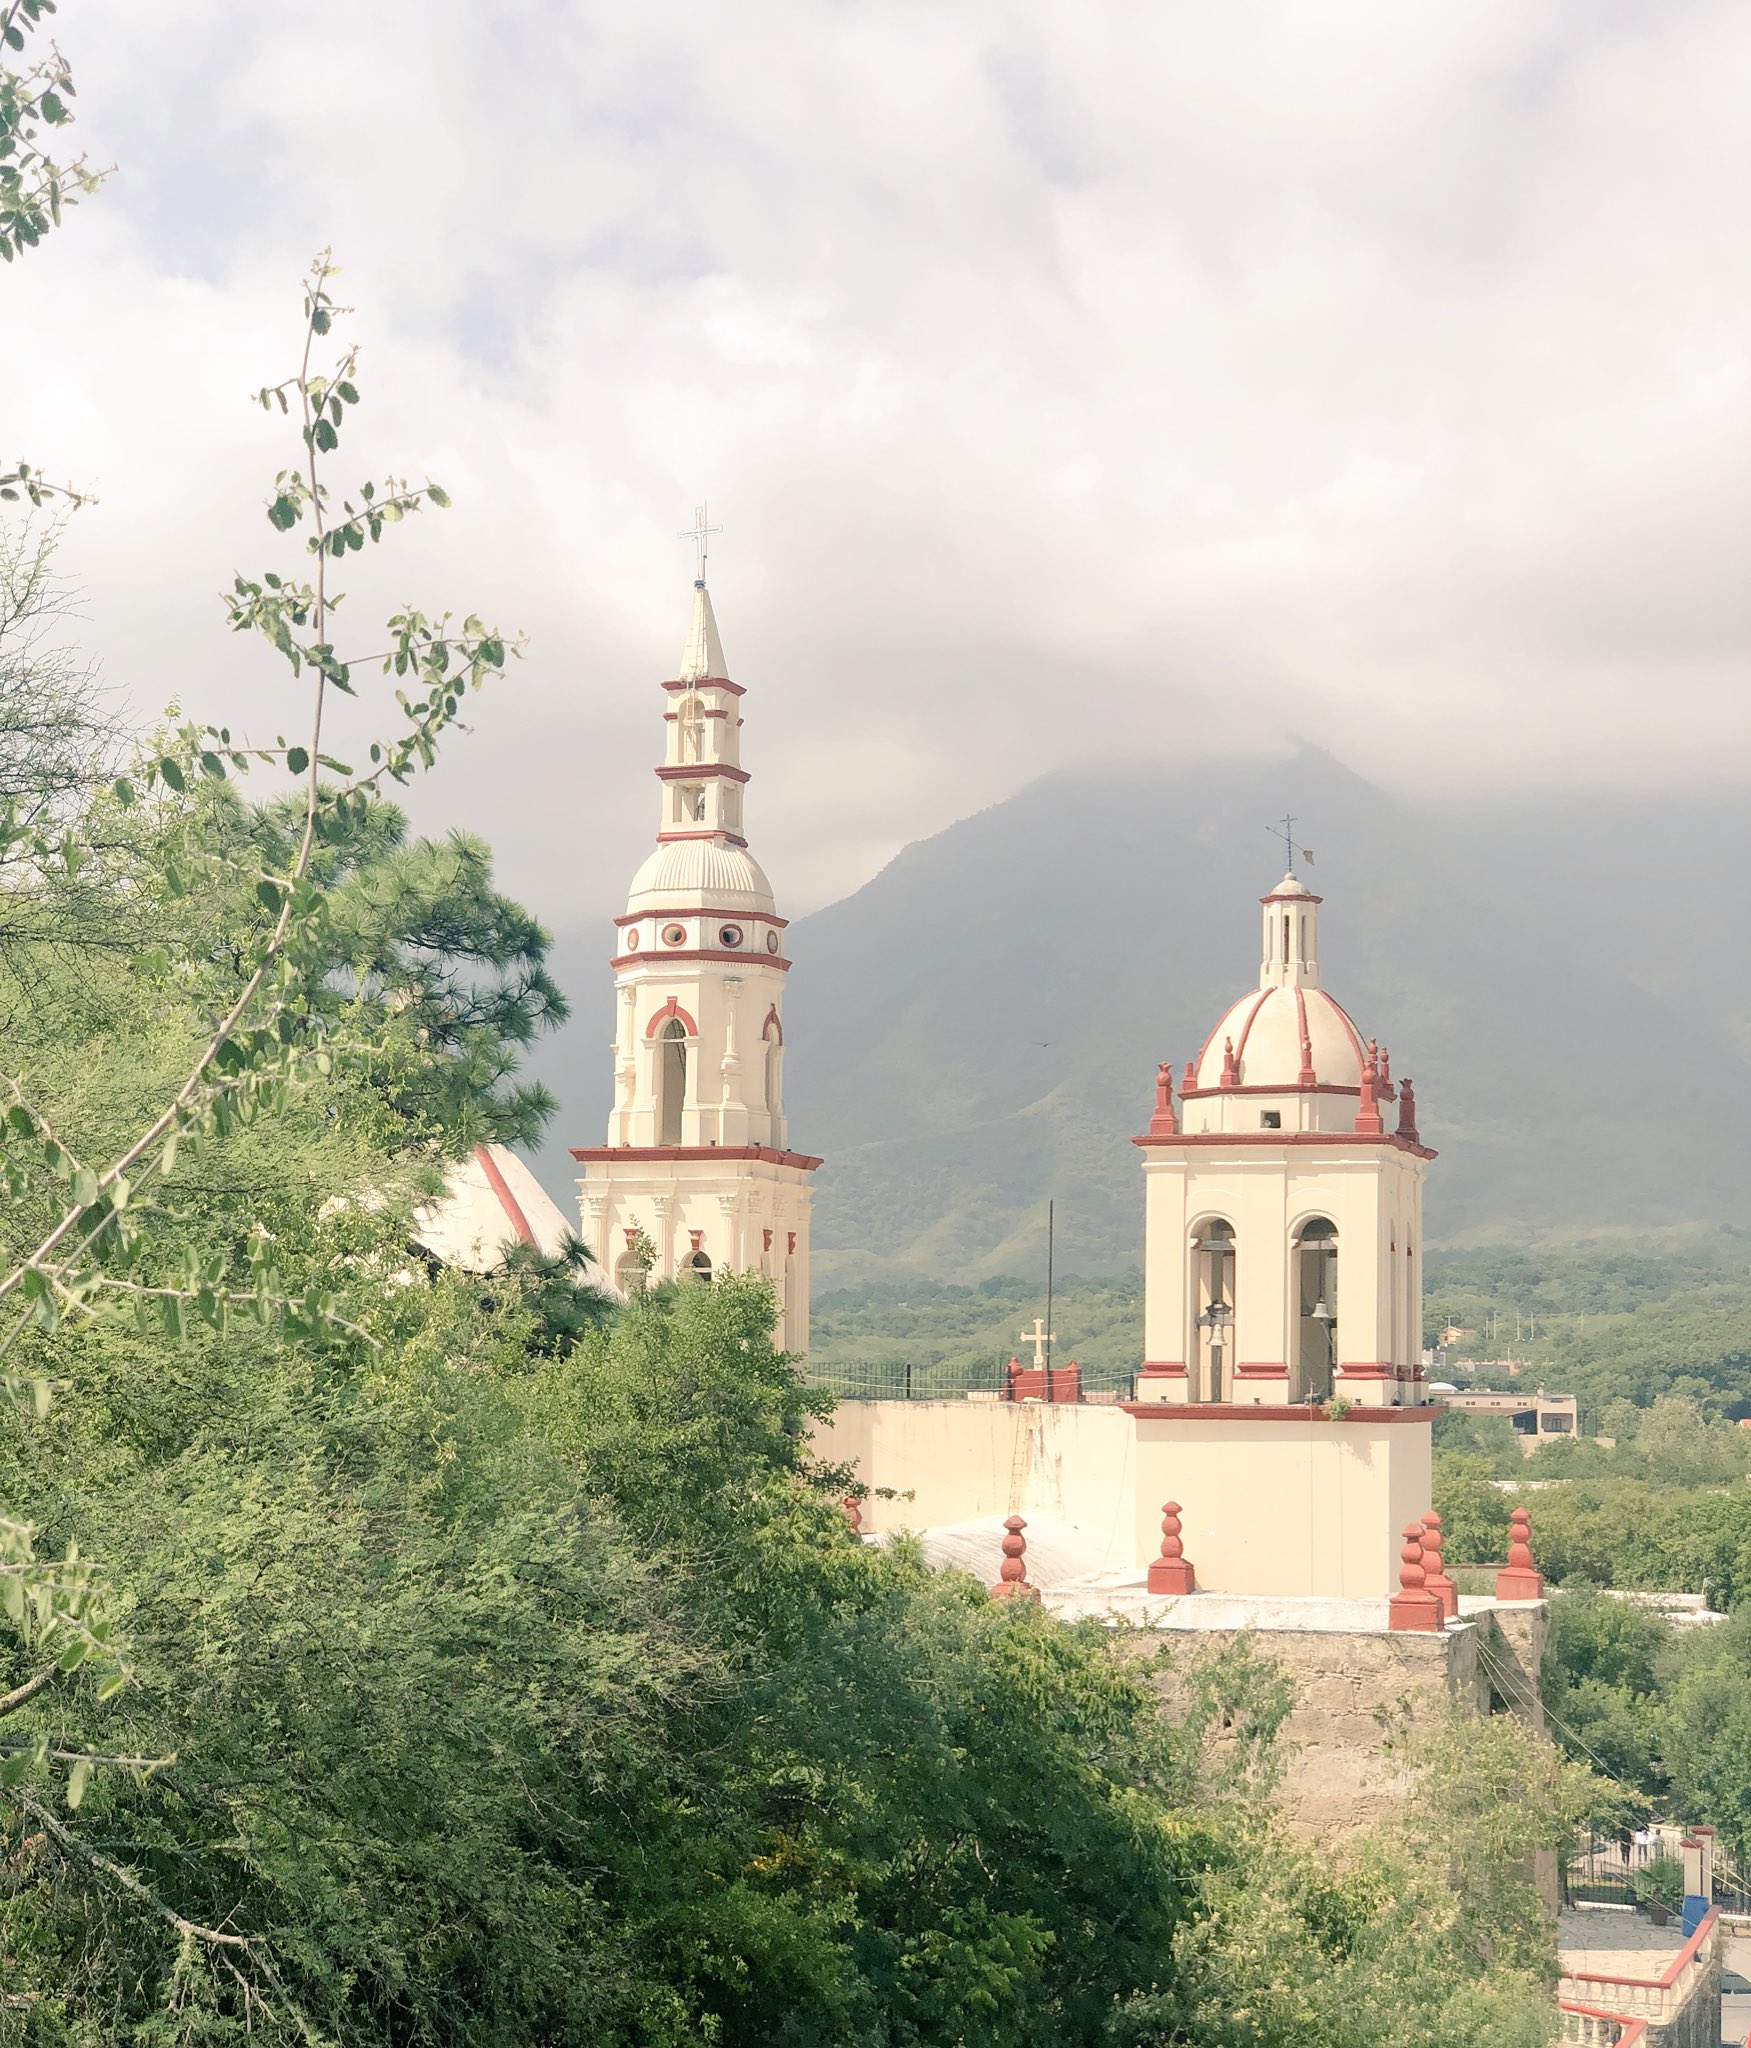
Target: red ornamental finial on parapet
1163 1124
1230 1065
853 1513
1407 1110
1520 1580
1188 1080
1413 1606
1171 1573
1368 1108
1435 1568
1012 1579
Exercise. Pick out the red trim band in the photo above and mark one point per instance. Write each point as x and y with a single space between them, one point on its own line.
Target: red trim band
507 1201
611 1154
1289 1138
705 910
1267 1088
709 683
699 771
642 959
1258 1411
1164 1372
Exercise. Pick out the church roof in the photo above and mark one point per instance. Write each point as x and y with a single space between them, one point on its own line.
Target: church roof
703 655
490 1203
720 877
1266 1027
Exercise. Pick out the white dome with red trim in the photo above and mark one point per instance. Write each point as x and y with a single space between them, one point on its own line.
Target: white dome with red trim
1283 1038
685 873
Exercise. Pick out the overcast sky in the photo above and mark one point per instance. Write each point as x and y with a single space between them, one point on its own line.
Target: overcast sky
1069 381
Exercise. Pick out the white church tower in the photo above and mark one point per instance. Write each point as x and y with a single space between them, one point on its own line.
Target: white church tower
698 1158
1283 1211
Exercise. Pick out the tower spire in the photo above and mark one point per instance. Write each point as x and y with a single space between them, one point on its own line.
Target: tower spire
703 655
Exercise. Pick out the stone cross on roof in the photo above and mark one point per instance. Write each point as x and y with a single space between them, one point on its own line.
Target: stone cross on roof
1039 1337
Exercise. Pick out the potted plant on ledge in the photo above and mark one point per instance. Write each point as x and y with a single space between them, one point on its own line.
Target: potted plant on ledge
1659 1886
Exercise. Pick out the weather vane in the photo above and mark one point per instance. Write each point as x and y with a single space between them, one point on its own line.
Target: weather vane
1286 832
699 533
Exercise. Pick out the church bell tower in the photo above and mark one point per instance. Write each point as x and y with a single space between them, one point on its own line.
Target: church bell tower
1283 1201
698 1158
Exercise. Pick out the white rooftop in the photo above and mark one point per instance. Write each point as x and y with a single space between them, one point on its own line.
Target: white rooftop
491 1203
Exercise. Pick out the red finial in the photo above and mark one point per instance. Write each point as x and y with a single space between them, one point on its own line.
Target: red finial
1163 1124
1230 1065
1188 1080
1435 1568
1386 1073
1170 1573
1307 1078
1519 1580
1413 1606
1407 1110
1012 1580
1368 1108
853 1513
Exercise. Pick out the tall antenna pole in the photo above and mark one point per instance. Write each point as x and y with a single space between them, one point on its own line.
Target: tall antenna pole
1050 1206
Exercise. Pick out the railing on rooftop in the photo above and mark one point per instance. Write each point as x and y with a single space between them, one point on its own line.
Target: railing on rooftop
1597 2029
892 1379
1656 1998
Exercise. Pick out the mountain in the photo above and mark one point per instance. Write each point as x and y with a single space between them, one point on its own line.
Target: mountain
1568 981
977 1029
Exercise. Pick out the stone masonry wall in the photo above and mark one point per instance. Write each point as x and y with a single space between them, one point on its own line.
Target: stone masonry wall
1354 1691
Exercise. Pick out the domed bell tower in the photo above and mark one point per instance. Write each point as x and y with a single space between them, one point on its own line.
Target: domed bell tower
1283 1201
697 1159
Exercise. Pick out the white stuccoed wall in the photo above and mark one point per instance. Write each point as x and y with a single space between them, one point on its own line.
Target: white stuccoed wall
1293 1507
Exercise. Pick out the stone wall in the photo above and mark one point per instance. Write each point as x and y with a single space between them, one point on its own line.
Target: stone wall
1354 1692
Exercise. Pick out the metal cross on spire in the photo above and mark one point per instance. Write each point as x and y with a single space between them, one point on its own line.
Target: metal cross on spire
699 533
1286 832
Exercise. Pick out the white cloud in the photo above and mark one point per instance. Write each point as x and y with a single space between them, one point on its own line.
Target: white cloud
1068 381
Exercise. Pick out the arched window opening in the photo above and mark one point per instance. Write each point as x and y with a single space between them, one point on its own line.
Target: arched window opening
1212 1347
699 1268
629 1273
774 1107
691 728
1315 1258
671 1081
1285 938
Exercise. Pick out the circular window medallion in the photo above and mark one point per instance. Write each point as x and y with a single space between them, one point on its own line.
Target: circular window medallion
674 935
632 941
730 935
772 942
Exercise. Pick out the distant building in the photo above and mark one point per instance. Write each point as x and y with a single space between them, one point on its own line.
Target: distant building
1536 1416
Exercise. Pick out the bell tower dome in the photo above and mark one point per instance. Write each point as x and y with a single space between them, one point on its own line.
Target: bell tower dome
697 1159
1282 1210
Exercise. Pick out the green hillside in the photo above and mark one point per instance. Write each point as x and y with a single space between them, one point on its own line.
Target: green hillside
977 1030
1602 1320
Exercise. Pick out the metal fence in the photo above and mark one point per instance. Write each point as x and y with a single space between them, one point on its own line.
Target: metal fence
893 1379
